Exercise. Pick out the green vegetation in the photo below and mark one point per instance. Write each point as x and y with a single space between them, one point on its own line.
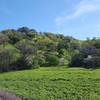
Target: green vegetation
53 83
26 48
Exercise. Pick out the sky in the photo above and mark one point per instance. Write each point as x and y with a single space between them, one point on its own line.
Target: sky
77 18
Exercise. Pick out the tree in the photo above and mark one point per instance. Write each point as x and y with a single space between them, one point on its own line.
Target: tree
87 49
13 35
93 62
9 58
52 60
26 47
27 32
24 30
77 61
3 39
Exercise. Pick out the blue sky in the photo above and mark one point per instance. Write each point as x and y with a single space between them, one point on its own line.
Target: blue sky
77 18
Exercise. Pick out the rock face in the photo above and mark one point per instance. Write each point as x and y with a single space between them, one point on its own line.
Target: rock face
8 96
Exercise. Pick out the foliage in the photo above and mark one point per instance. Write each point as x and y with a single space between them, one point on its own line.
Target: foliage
93 62
54 83
88 57
9 58
51 60
3 39
13 35
47 49
77 60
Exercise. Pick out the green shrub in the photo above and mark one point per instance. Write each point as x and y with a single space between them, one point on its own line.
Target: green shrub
52 60
77 61
26 47
93 62
3 39
9 58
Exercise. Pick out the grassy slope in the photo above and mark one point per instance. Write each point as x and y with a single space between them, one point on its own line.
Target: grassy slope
53 84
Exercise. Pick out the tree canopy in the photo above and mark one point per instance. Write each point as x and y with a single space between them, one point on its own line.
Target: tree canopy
26 48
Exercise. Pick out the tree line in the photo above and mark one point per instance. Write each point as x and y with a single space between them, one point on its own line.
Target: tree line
26 48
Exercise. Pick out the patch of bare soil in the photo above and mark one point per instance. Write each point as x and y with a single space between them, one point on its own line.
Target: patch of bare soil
8 96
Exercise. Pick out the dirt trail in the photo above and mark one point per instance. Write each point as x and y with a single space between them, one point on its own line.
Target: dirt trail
8 96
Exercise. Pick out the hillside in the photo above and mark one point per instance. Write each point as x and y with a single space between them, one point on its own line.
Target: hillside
53 84
25 48
28 57
49 49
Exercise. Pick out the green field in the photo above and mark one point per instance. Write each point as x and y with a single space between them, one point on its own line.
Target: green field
53 84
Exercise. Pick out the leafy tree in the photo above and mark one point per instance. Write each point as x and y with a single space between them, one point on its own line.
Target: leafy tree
27 32
24 30
87 49
13 35
26 47
77 61
9 58
52 60
93 62
3 39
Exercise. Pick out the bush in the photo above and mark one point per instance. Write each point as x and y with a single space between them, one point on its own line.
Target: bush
13 35
40 59
9 58
30 62
88 63
26 62
52 60
94 62
3 39
77 61
87 49
35 61
26 47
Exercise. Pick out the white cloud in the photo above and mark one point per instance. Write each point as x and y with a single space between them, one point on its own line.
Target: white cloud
84 7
